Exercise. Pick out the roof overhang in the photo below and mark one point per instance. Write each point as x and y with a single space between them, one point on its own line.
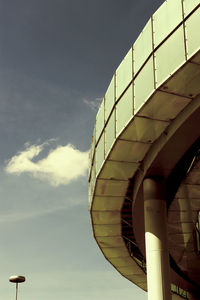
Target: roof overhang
152 94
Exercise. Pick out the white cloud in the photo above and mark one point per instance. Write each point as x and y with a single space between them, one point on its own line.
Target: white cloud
60 166
93 104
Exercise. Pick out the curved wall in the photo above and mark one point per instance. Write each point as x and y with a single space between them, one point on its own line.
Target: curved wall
157 81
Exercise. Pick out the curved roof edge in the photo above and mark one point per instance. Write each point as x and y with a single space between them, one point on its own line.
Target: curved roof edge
144 105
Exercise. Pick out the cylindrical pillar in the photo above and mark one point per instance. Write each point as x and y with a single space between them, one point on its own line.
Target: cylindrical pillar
157 255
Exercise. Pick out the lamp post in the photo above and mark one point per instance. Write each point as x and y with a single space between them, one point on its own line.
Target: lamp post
17 279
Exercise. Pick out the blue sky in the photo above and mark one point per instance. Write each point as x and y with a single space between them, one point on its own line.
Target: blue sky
57 58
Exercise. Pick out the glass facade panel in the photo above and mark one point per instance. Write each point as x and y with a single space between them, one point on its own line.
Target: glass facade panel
192 33
189 6
92 153
124 73
142 47
170 56
99 159
92 147
110 98
99 121
143 85
124 110
110 133
166 18
91 184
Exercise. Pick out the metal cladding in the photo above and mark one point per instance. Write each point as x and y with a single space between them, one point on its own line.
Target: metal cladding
153 91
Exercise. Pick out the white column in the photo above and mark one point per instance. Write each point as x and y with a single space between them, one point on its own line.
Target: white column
157 256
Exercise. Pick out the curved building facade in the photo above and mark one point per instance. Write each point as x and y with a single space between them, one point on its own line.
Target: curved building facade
144 179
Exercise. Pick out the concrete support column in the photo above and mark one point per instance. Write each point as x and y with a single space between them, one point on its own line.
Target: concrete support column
157 256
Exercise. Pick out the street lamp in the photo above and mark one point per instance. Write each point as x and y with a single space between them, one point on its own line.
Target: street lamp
17 279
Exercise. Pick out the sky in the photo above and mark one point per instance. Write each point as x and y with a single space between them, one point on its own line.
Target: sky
57 58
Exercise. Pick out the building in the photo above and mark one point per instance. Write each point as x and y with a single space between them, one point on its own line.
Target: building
144 181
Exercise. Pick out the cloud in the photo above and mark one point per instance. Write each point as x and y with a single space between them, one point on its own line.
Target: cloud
93 104
61 165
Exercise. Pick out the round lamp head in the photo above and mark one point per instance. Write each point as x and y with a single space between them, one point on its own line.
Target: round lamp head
17 279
